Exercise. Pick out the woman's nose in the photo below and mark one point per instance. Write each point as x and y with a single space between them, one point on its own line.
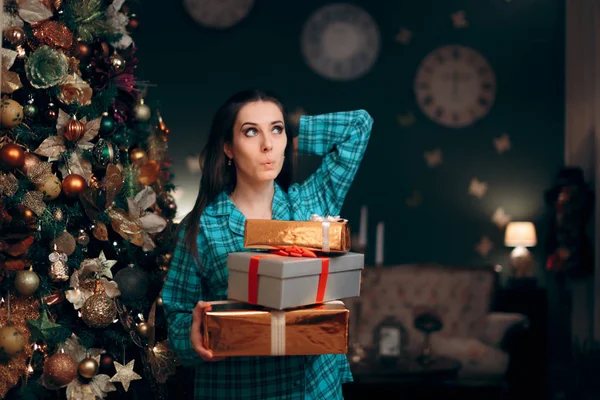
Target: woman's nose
267 144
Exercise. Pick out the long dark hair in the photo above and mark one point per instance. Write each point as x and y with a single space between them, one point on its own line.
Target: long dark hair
216 174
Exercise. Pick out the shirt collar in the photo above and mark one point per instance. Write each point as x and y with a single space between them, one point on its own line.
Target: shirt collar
223 205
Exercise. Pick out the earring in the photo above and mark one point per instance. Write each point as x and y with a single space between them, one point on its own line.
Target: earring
229 162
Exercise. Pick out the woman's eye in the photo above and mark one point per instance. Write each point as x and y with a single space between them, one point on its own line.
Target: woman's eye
251 132
278 129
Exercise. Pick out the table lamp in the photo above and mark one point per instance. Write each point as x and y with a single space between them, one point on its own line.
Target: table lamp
520 235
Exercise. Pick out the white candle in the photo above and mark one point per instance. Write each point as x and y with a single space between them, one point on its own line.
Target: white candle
362 235
379 244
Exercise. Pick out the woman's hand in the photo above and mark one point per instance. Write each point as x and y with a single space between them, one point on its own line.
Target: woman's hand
196 332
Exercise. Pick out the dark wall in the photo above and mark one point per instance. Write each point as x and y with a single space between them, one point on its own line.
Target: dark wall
196 68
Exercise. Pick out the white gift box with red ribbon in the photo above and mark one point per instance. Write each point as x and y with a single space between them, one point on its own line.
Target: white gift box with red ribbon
282 282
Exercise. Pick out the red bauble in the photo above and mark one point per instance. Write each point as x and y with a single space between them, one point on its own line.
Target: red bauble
73 185
12 156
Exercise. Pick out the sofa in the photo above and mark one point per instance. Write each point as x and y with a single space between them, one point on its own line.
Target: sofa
462 297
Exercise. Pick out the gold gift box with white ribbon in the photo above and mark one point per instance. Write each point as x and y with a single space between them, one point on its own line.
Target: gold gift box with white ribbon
234 328
329 234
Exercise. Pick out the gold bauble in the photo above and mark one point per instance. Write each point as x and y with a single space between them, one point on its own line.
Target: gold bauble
50 188
118 63
12 113
138 157
99 311
73 185
143 328
64 243
12 156
26 282
11 342
59 370
142 111
88 368
14 35
148 173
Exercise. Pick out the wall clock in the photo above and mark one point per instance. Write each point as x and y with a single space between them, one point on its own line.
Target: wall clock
455 86
340 41
218 13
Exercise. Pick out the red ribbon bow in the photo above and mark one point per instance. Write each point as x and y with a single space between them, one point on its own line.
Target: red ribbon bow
287 251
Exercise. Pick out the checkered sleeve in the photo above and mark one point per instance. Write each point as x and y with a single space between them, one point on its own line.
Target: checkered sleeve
181 292
342 139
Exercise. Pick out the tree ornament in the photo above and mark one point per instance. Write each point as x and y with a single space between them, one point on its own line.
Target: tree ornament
133 283
50 114
143 329
125 374
12 156
108 124
30 111
106 364
138 157
133 24
104 153
148 173
73 185
26 215
59 370
30 160
141 111
12 113
27 282
63 243
58 214
88 368
50 187
15 35
118 63
82 50
12 342
99 311
83 238
42 327
74 130
59 271
46 67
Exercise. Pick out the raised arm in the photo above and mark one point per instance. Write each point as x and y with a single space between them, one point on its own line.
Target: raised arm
342 138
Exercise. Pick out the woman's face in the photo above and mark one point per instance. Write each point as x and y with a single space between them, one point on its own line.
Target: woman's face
259 142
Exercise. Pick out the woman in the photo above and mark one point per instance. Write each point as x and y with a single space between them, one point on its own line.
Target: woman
247 172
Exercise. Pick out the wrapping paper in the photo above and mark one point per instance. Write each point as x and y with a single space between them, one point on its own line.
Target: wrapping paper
239 329
325 235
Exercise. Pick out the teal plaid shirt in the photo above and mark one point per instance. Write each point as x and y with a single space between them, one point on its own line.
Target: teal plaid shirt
342 139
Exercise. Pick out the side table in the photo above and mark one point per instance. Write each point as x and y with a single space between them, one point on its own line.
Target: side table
372 378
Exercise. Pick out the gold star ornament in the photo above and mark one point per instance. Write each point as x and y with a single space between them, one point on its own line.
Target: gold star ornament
125 374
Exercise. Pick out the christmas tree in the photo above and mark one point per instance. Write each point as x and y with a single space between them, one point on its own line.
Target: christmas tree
86 211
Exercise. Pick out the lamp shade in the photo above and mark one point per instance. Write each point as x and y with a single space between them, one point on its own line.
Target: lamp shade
520 234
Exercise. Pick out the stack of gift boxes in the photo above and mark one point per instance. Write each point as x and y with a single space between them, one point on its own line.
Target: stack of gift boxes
285 291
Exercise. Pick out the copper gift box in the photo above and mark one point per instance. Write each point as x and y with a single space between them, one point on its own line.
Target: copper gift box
313 235
239 329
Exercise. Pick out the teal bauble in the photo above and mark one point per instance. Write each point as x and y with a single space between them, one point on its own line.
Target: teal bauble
108 124
104 153
30 111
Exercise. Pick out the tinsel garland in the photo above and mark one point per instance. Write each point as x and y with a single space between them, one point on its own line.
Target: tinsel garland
21 309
